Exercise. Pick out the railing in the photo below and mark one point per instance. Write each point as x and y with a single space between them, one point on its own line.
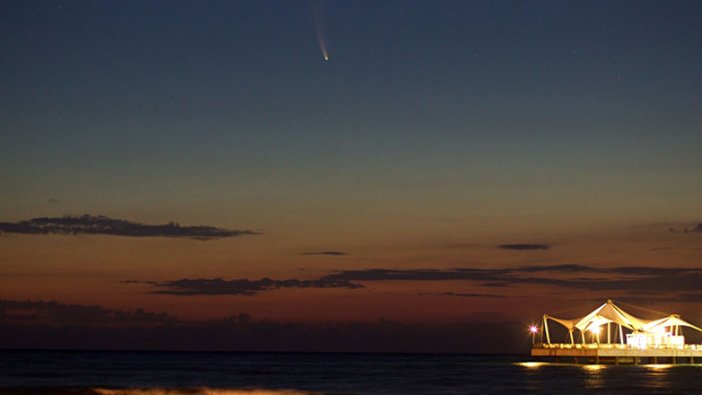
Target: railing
613 346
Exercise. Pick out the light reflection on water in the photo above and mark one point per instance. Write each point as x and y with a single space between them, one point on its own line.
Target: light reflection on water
593 368
617 378
659 366
657 375
594 378
196 391
531 364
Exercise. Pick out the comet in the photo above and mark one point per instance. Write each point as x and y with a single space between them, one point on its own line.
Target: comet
319 27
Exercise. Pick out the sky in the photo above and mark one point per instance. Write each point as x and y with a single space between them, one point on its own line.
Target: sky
449 163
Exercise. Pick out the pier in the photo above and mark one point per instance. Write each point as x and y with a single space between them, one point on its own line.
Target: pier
617 354
628 339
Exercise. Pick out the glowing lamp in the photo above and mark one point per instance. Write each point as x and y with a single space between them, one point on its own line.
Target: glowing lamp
533 329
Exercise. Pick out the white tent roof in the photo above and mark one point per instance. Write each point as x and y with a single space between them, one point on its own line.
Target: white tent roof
570 324
672 320
607 312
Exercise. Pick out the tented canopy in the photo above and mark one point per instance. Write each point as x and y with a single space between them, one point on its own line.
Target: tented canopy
569 324
672 320
607 312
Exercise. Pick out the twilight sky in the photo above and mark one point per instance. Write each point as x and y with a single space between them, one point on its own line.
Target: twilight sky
439 137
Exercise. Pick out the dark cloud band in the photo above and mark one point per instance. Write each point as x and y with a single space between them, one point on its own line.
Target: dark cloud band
219 286
524 247
462 295
567 276
682 281
51 325
41 313
332 253
101 225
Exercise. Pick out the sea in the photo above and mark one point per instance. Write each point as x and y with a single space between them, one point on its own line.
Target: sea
224 373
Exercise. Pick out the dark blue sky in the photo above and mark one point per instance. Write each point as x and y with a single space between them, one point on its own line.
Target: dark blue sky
130 84
147 102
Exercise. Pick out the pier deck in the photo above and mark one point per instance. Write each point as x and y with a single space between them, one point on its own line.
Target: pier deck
618 353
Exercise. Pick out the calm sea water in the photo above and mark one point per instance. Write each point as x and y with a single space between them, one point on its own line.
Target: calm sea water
54 372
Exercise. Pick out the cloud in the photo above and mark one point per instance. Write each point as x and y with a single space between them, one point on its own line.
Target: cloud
567 276
333 253
219 286
54 313
241 332
54 201
687 297
609 280
101 225
524 246
684 228
462 295
653 298
420 274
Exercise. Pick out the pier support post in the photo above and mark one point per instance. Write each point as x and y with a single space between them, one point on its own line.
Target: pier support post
609 338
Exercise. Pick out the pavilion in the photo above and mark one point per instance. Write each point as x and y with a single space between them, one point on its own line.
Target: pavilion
610 334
